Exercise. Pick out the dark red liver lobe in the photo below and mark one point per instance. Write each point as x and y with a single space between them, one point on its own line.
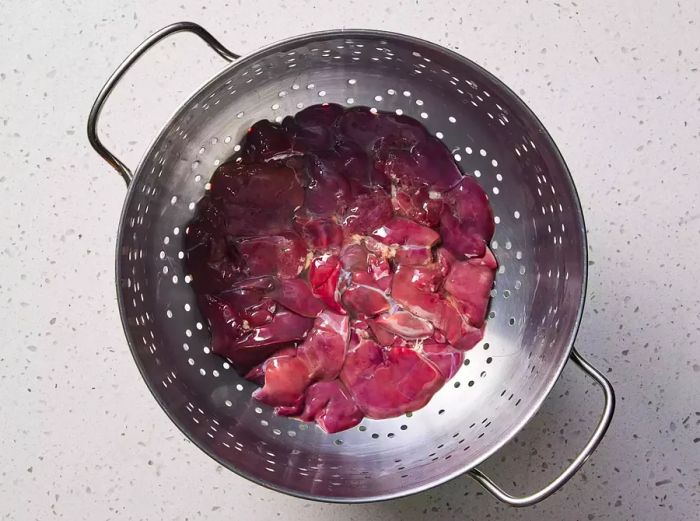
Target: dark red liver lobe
470 283
296 295
388 382
466 222
331 406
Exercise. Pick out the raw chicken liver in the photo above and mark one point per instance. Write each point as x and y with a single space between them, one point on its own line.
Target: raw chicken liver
388 382
342 262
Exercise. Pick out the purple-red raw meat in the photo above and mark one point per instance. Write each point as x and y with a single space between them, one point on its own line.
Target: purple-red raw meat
286 378
387 383
405 325
323 350
402 231
342 262
296 295
368 212
447 359
265 141
466 223
417 202
321 234
324 274
330 405
428 162
470 283
416 288
282 255
312 129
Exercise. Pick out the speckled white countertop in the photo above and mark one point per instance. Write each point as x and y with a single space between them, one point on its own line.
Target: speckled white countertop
616 83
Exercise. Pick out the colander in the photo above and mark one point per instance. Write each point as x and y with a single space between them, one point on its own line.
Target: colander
537 300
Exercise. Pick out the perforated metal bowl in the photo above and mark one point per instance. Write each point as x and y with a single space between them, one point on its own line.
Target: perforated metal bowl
537 300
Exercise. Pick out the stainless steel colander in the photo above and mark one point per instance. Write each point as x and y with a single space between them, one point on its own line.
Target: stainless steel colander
537 300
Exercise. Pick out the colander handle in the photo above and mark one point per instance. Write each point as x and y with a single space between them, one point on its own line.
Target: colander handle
156 37
579 460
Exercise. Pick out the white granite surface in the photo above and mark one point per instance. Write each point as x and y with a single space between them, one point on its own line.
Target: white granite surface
616 83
